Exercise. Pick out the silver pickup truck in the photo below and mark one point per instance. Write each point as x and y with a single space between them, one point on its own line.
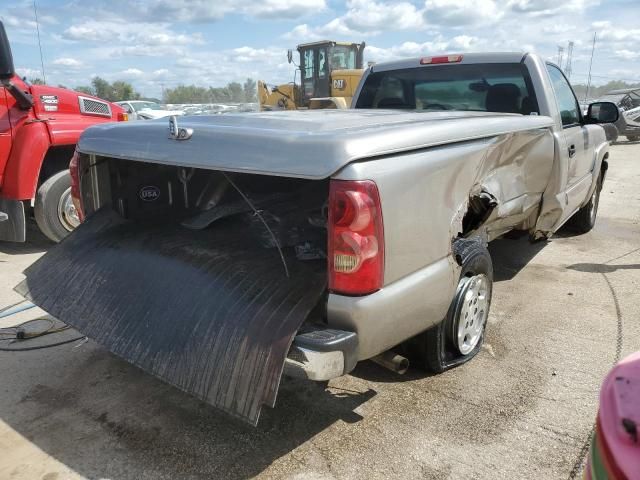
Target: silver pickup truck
217 252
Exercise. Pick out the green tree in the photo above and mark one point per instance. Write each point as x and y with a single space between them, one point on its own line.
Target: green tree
123 91
233 92
36 81
599 90
249 88
85 89
102 88
236 93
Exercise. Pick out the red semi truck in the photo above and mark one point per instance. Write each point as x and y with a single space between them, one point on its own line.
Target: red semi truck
39 128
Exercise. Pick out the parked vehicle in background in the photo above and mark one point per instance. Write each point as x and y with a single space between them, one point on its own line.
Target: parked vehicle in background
628 100
144 110
615 445
346 233
39 129
329 71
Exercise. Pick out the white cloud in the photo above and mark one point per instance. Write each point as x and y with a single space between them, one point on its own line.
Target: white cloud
455 13
459 43
627 54
549 7
132 73
30 73
131 33
200 11
67 62
364 17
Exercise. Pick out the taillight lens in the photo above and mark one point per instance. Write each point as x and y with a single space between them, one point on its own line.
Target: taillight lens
356 237
122 117
74 171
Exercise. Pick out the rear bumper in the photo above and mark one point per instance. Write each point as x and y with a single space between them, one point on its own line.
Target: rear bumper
321 354
12 220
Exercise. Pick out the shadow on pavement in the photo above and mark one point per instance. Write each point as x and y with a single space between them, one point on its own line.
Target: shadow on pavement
601 267
36 242
512 255
152 430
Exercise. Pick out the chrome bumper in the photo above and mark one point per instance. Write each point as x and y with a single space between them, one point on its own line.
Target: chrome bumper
321 354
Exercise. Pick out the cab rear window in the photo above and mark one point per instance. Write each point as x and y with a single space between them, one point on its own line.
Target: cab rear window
498 87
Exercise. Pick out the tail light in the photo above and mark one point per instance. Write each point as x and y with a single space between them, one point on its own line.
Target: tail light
122 117
356 237
74 171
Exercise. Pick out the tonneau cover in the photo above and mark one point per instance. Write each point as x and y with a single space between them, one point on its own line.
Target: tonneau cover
307 144
206 311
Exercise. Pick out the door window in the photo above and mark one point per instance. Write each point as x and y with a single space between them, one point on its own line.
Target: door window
309 61
322 63
567 103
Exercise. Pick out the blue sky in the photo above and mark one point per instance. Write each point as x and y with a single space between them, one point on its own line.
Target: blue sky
156 43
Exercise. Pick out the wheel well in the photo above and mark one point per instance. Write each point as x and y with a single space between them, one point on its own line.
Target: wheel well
605 166
56 160
480 207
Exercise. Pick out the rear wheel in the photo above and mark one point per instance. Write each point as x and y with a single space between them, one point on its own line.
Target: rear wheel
584 219
459 337
55 213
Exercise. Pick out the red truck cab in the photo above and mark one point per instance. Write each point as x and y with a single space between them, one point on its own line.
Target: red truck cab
39 128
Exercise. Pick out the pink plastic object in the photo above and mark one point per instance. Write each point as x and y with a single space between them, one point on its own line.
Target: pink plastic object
620 415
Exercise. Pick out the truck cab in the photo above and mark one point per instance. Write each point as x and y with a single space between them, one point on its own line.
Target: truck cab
39 128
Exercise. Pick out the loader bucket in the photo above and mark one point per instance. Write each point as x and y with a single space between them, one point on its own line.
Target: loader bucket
210 312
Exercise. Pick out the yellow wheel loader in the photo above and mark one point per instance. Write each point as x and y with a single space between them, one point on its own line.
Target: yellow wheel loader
329 75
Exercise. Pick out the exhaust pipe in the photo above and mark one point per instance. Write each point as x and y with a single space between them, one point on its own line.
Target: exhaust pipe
392 361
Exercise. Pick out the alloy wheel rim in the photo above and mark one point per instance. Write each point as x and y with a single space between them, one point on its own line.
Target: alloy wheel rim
67 213
474 298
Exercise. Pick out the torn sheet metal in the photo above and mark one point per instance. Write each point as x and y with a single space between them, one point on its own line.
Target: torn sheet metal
210 312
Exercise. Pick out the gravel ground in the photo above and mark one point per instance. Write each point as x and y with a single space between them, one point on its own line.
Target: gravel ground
563 312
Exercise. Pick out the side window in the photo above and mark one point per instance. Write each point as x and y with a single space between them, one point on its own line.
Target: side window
309 61
322 63
127 108
567 102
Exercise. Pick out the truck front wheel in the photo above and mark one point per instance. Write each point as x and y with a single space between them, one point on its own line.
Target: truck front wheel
55 213
459 337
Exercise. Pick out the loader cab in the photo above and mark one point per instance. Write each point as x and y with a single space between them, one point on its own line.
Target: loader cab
319 59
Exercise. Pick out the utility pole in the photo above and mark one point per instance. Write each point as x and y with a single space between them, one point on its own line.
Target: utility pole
593 49
567 69
560 55
35 11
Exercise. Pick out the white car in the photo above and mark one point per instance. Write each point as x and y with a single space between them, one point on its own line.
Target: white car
143 110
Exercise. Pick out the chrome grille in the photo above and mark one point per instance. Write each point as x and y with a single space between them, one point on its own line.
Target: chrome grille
90 106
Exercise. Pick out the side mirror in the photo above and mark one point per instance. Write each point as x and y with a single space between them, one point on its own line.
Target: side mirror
289 55
603 112
6 59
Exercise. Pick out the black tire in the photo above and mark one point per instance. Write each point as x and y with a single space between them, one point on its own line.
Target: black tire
584 219
47 203
437 347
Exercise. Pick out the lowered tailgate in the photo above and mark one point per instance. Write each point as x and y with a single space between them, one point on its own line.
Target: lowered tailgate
205 311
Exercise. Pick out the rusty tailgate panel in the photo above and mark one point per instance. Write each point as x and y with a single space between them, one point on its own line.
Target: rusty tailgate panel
205 311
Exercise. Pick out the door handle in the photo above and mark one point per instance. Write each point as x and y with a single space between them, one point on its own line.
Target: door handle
572 151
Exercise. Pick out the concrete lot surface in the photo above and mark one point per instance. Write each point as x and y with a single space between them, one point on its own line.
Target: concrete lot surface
563 311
